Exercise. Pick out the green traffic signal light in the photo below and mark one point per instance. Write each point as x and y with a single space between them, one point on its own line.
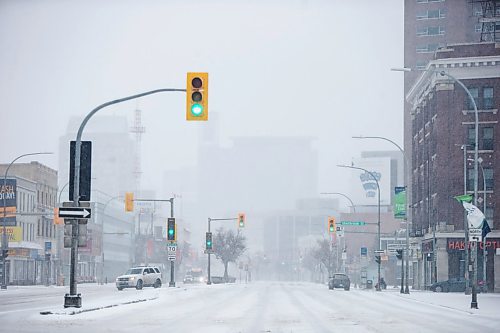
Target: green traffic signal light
171 232
197 109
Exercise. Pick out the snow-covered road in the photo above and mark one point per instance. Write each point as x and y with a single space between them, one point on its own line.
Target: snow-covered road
256 307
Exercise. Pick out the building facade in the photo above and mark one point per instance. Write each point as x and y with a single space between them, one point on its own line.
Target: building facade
35 258
442 145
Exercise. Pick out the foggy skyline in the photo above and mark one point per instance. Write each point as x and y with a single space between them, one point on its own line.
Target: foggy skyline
72 57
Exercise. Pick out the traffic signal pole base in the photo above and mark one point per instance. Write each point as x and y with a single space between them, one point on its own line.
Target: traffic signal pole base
407 291
171 284
72 301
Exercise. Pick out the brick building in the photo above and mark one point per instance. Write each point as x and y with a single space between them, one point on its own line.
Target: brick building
442 124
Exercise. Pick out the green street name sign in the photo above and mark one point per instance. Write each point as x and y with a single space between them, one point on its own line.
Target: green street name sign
352 223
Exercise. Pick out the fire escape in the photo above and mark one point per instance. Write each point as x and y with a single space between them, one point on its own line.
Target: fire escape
489 19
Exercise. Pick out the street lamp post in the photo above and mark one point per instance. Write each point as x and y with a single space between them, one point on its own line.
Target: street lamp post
345 196
480 160
5 244
408 205
473 303
104 233
378 219
354 211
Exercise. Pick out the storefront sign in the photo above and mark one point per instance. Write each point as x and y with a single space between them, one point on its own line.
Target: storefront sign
14 234
8 201
457 244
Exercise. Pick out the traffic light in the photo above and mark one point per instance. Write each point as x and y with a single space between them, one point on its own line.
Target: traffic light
399 254
208 241
171 234
129 202
197 96
241 220
377 259
331 224
57 220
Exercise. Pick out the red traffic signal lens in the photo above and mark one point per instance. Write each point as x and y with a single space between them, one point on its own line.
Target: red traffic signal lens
196 82
196 96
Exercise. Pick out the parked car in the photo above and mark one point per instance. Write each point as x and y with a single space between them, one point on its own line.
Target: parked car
339 280
453 284
139 277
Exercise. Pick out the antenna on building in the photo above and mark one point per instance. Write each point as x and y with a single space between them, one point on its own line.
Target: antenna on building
138 130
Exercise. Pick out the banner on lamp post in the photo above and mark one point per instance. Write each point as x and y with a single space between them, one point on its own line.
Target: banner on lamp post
400 202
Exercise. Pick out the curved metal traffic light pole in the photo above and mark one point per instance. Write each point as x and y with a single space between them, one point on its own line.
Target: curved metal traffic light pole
76 188
5 244
378 220
345 196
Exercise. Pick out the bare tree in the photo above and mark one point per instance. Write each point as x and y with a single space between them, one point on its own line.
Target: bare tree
228 247
326 254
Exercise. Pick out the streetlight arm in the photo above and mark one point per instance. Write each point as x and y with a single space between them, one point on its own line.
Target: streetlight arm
76 178
345 196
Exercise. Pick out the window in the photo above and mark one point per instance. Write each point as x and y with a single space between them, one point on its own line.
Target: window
478 27
487 98
421 64
488 174
422 49
475 94
470 179
471 137
430 31
427 48
422 31
489 213
488 138
435 31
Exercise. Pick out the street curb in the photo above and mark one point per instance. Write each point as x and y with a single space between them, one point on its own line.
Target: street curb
98 308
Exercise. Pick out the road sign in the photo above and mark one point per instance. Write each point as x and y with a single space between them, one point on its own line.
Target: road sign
379 251
74 212
364 251
172 248
352 223
475 234
85 169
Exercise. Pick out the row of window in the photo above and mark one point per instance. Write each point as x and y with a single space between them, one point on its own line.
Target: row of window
430 31
486 102
427 48
485 136
431 14
427 1
488 179
46 228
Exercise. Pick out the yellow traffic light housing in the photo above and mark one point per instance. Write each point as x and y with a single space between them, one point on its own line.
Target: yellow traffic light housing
331 224
197 96
241 220
57 220
129 202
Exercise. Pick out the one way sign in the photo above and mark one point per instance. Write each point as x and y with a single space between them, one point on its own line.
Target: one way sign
74 212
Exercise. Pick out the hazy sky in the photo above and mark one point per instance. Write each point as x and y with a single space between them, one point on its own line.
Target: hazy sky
316 68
